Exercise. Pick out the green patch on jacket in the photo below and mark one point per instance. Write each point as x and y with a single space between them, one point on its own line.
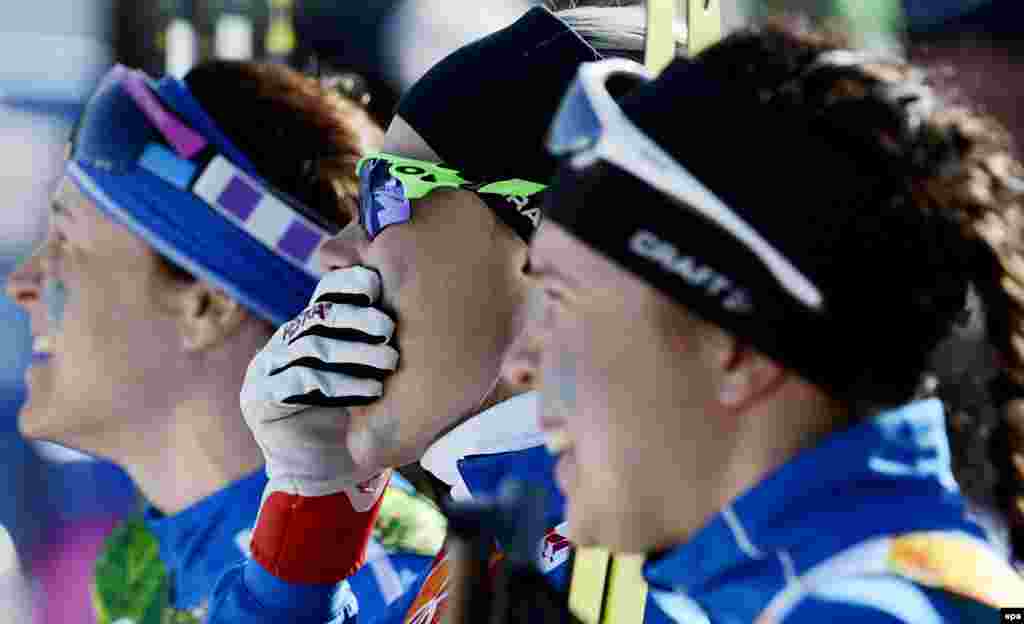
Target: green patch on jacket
132 585
409 523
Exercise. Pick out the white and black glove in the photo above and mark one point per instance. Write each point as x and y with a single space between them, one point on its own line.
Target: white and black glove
318 507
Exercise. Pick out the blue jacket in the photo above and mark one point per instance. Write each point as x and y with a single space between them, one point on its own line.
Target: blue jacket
156 566
502 442
887 477
826 529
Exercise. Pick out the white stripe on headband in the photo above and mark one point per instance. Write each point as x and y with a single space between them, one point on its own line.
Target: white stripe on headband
182 258
263 215
853 58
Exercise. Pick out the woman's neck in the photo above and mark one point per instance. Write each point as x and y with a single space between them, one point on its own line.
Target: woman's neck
202 448
768 435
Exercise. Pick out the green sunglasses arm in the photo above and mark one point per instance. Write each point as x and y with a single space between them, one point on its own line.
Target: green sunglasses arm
420 177
513 188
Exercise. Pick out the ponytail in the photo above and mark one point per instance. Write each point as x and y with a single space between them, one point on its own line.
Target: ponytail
948 228
981 365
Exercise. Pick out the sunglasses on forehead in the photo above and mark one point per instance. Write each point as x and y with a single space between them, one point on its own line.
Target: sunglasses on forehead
590 127
389 183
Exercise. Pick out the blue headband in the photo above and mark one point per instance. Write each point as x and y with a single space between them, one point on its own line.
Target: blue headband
210 212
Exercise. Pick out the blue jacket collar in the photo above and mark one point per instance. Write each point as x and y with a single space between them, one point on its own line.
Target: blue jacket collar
507 427
199 543
503 442
849 483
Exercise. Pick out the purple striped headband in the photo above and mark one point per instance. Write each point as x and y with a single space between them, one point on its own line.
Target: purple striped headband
193 195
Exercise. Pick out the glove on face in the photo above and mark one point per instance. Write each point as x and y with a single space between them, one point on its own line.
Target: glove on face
318 507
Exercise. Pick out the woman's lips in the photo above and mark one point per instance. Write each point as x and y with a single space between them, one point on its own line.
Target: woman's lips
557 440
565 471
42 349
560 444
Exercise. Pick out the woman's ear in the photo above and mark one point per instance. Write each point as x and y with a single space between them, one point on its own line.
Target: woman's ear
744 375
207 316
521 367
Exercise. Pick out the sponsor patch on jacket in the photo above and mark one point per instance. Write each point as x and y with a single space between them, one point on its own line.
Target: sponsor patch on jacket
555 549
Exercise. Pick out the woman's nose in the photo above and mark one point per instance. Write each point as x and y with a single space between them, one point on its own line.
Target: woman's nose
346 249
521 368
25 283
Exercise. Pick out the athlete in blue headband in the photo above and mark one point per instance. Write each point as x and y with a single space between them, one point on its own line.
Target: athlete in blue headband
745 318
184 230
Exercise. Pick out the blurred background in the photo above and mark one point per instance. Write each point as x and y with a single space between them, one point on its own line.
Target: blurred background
60 504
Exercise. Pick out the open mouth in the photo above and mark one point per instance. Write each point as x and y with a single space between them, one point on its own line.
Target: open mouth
557 441
54 296
561 446
42 349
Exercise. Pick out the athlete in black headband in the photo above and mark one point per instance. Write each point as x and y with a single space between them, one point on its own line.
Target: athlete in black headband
445 212
740 316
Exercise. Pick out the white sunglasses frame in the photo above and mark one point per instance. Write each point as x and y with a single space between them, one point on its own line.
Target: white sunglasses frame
622 144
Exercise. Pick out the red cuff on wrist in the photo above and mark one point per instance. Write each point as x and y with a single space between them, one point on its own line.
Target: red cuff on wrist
312 540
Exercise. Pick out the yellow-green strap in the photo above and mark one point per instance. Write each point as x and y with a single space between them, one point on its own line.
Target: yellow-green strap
586 590
607 589
627 591
660 46
704 24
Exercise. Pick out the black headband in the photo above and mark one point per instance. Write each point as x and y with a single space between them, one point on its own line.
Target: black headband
782 175
486 107
689 258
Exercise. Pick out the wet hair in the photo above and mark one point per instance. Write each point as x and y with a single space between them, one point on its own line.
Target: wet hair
303 137
949 226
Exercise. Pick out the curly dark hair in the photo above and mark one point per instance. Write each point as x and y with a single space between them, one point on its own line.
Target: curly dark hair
949 228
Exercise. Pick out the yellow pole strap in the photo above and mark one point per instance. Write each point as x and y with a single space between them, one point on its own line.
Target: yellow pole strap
586 591
627 591
704 26
660 46
607 589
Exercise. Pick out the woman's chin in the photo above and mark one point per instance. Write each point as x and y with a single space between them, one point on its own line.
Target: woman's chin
42 417
35 414
35 422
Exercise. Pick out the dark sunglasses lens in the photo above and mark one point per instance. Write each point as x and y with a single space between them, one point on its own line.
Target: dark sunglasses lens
382 200
366 197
